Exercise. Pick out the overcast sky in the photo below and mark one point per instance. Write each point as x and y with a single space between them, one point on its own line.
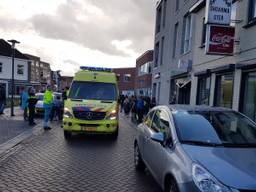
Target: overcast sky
70 33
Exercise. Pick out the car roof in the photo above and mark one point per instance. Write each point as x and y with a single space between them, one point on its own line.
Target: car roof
197 108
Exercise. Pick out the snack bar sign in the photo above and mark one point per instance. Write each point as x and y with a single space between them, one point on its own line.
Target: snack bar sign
218 12
220 40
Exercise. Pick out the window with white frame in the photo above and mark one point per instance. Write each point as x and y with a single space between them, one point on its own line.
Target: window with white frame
127 77
1 67
187 34
20 69
144 69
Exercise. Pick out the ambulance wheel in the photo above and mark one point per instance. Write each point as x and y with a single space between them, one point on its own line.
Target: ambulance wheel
67 135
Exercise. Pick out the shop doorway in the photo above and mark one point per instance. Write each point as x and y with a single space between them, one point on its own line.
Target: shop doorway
184 94
180 91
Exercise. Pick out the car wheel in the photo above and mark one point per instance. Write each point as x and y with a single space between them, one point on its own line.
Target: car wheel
67 135
172 187
138 162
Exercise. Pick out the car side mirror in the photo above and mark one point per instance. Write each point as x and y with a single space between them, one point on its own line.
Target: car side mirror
158 137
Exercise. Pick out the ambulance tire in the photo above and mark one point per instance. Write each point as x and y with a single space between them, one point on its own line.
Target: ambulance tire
115 135
67 135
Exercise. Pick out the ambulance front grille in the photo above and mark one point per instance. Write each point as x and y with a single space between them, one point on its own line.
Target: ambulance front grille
89 115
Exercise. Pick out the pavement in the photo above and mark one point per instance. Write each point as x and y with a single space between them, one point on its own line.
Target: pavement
14 130
47 162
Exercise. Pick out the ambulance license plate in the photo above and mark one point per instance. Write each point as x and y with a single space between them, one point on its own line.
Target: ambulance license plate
90 129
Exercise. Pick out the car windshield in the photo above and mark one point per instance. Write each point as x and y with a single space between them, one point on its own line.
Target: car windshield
93 91
215 128
40 97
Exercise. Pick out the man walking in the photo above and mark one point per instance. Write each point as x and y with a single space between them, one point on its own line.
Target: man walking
32 100
2 100
140 109
48 98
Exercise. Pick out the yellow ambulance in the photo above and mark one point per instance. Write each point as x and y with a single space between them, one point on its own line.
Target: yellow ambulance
92 104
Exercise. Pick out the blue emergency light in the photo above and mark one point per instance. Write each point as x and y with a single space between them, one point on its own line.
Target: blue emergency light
96 69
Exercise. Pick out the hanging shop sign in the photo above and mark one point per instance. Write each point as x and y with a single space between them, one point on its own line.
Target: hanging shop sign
220 40
218 12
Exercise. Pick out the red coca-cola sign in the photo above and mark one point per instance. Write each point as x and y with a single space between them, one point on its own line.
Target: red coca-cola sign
220 40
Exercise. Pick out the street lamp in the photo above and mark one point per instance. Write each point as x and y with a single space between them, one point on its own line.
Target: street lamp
13 42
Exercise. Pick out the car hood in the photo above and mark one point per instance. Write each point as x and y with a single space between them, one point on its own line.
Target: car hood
234 167
40 104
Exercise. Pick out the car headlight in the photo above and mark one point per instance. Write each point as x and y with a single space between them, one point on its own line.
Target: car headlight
206 182
112 115
67 113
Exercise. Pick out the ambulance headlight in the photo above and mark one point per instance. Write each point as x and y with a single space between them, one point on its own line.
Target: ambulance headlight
67 113
112 115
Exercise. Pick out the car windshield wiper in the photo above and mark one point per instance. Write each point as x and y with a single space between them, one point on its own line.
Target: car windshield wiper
245 145
201 143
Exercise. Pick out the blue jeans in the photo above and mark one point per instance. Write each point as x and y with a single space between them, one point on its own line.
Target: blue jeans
47 112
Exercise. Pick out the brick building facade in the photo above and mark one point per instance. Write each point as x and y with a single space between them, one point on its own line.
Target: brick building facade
126 80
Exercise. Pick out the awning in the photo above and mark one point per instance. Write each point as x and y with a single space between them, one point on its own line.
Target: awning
182 82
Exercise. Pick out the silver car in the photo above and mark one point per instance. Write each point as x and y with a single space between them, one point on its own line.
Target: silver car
198 149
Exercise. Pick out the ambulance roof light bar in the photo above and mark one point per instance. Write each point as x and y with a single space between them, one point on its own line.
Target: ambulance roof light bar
103 69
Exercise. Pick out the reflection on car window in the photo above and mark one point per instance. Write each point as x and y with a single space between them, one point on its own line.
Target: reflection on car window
225 127
148 118
160 122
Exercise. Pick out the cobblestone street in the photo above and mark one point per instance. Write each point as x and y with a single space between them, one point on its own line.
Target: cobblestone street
46 162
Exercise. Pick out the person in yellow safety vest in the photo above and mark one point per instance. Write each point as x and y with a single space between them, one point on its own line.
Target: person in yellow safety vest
48 98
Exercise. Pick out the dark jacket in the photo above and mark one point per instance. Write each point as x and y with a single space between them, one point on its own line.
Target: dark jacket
32 100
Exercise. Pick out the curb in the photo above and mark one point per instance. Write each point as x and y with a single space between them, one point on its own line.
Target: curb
8 145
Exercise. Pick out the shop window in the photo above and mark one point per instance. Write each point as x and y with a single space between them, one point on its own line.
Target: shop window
249 95
203 90
20 69
224 90
127 77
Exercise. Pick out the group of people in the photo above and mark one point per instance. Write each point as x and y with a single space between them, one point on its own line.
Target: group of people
52 107
137 106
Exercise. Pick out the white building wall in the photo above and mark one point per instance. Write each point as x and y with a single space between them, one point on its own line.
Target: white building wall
7 68
193 94
169 63
236 89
